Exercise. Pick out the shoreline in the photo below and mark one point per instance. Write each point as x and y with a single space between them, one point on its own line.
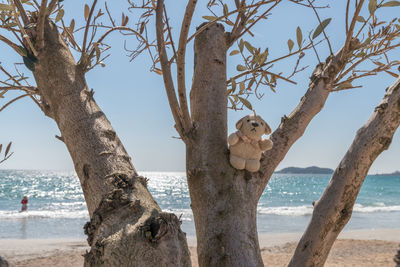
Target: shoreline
373 247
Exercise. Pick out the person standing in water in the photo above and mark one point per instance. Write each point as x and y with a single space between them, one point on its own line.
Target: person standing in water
24 203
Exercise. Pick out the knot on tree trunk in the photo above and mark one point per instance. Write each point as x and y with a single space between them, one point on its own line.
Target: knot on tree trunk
162 225
117 198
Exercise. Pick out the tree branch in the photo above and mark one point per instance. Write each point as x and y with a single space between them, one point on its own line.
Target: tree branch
180 62
11 44
87 30
240 21
22 12
40 23
254 22
209 24
12 101
349 33
117 28
166 71
293 126
25 36
333 210
323 30
28 89
52 5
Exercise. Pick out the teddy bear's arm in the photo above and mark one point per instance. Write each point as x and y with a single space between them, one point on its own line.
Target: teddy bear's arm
265 144
233 139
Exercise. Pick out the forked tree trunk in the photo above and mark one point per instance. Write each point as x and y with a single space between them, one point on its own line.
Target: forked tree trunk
333 210
127 227
223 200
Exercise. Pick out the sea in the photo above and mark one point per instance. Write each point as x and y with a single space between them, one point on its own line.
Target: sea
57 208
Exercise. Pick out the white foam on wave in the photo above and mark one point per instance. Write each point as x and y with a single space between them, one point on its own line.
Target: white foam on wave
380 208
307 210
186 214
286 210
53 214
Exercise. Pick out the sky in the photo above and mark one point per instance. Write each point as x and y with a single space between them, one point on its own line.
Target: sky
134 99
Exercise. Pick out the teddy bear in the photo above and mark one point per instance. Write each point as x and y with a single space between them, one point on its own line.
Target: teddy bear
246 145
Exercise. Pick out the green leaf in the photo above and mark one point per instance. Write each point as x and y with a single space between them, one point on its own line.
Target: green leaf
226 10
241 44
234 52
392 3
60 15
299 36
27 2
290 44
344 85
246 103
86 11
248 46
4 7
372 6
11 25
32 58
241 68
360 19
2 96
263 58
321 27
233 85
29 63
209 18
7 149
241 87
97 49
23 50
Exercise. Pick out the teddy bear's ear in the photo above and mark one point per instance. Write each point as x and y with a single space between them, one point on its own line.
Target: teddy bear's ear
239 123
267 128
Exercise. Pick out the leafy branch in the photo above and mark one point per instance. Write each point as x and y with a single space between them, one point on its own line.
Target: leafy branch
7 153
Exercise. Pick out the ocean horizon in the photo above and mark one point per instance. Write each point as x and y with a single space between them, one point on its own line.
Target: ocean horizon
57 208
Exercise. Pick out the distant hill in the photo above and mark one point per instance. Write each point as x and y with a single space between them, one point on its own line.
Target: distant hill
308 170
396 173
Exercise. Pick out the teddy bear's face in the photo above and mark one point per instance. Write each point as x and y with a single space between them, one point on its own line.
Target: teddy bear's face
253 127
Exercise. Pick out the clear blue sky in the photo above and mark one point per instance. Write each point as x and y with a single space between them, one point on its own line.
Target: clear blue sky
135 102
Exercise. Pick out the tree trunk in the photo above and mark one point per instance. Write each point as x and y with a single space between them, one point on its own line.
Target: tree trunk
127 227
397 258
223 202
333 210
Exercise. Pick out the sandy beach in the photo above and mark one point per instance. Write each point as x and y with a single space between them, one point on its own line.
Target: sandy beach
354 248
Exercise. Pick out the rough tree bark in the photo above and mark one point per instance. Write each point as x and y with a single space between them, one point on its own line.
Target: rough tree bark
223 202
333 210
127 227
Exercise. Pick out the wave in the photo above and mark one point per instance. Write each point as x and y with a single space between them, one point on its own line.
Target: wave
307 210
368 209
186 214
53 214
286 210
